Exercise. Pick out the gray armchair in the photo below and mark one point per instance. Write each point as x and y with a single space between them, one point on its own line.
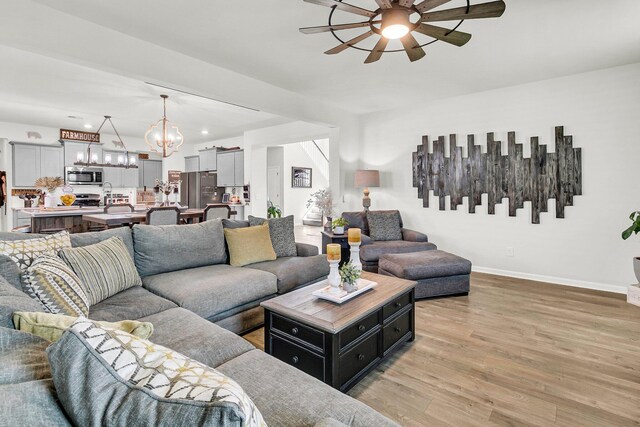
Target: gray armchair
371 250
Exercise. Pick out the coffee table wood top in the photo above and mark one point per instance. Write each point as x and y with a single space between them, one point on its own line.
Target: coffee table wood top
301 305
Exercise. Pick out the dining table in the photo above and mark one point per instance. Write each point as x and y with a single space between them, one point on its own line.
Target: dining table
137 217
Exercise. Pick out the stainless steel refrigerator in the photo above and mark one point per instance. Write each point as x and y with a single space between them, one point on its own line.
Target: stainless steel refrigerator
198 189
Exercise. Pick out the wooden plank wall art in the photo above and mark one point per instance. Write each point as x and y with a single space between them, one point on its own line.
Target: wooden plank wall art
537 179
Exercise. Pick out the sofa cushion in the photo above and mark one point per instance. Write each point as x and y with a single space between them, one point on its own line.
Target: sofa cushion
79 240
161 249
384 225
132 303
22 357
109 377
357 220
425 265
32 403
249 245
281 232
374 250
104 268
234 223
56 286
196 337
294 271
12 300
24 251
295 398
10 271
210 290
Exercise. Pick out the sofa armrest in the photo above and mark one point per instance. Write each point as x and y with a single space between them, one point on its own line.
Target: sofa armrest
413 236
329 422
305 249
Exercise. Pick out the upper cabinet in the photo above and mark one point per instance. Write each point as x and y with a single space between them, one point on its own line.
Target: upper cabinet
120 177
77 151
32 161
149 172
231 168
192 164
208 160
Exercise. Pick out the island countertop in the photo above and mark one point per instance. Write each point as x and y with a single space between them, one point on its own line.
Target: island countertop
45 213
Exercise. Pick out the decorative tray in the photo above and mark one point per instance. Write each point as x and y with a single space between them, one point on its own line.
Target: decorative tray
363 286
60 208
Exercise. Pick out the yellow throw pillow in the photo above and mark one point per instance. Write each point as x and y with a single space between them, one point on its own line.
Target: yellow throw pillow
52 326
248 245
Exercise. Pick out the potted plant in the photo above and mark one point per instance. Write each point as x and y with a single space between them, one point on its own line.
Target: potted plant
634 229
50 184
273 211
322 200
338 225
349 274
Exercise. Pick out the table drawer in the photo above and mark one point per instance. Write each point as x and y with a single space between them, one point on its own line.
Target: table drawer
396 305
396 329
358 358
358 329
298 330
297 356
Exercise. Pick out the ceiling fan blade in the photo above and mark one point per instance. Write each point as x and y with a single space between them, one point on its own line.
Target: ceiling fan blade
378 50
349 43
384 4
406 3
411 45
427 5
457 38
493 9
344 6
337 27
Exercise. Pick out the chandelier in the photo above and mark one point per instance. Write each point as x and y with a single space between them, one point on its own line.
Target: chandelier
124 161
163 136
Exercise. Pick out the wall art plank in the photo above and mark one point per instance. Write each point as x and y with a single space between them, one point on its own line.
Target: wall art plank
536 179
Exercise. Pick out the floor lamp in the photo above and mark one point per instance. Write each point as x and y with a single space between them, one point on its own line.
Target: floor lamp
366 179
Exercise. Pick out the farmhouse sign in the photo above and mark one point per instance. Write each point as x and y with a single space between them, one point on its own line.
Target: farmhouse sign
78 135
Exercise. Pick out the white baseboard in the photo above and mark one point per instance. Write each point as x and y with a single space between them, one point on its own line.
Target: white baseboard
555 280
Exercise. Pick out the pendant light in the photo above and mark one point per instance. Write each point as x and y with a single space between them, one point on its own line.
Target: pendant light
163 136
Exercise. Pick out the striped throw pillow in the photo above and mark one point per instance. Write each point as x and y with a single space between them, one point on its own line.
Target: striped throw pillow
105 268
54 284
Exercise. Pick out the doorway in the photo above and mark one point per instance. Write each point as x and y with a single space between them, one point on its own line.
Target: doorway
274 184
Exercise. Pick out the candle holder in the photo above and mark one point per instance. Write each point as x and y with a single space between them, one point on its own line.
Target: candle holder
355 255
334 277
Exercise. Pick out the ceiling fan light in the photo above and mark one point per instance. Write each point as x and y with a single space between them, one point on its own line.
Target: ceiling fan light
393 32
395 23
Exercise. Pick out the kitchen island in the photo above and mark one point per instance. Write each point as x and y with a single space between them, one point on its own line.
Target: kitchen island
54 220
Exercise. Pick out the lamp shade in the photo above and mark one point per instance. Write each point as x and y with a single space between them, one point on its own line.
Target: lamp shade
367 178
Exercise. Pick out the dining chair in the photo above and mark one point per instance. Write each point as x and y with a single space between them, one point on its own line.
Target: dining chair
166 215
217 210
118 208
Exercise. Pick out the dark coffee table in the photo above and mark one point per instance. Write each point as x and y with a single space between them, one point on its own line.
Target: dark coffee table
340 344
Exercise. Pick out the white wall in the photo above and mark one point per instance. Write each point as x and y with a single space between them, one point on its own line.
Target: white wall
600 109
303 154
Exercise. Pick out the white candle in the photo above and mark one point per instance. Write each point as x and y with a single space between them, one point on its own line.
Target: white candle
132 160
107 159
80 156
120 159
94 158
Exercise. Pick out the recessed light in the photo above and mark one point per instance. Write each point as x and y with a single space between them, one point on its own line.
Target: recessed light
205 132
88 126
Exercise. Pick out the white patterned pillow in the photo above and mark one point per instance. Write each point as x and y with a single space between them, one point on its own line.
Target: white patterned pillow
24 252
135 373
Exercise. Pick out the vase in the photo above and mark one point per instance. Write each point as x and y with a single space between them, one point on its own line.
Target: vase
636 267
327 225
349 287
50 201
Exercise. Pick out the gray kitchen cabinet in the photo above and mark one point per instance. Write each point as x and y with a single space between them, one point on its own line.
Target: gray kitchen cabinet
208 160
149 171
231 169
192 164
71 150
130 176
32 161
120 177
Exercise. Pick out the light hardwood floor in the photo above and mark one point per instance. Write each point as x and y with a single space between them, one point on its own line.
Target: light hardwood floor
514 352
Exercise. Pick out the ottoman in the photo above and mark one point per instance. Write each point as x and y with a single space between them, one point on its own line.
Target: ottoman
438 273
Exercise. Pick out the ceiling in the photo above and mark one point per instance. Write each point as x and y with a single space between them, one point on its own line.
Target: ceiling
41 91
532 41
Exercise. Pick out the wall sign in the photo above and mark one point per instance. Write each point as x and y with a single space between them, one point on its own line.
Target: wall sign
174 176
79 135
537 179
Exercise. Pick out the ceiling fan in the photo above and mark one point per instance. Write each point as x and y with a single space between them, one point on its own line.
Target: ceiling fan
398 19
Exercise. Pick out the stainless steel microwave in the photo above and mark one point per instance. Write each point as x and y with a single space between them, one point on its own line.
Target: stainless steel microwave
83 176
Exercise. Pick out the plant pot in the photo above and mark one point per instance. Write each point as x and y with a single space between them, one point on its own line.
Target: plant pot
348 287
338 230
636 267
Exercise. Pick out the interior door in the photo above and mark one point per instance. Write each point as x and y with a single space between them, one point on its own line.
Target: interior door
274 180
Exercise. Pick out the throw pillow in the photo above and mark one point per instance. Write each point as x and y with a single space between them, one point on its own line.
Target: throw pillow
54 284
24 252
282 234
249 245
52 326
104 269
384 225
104 376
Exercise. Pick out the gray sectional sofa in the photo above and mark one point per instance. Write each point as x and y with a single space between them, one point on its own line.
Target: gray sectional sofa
194 309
